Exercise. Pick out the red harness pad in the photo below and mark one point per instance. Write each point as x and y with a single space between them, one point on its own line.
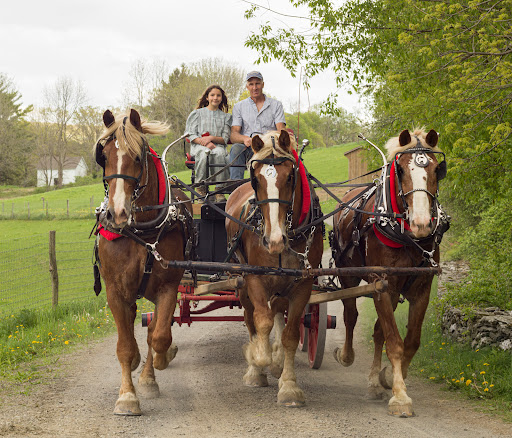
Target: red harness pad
109 235
394 205
306 193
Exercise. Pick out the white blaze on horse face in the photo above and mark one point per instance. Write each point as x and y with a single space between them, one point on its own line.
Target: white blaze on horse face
276 243
119 198
420 214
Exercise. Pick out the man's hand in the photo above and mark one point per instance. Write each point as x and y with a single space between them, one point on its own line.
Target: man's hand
248 142
211 146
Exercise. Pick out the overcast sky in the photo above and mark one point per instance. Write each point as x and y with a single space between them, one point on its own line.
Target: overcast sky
97 41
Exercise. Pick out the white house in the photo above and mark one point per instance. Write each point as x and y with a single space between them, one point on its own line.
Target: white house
48 171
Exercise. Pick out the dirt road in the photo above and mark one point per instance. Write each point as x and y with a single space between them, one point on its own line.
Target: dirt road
203 396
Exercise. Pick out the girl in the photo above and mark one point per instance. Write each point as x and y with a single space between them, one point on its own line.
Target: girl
209 126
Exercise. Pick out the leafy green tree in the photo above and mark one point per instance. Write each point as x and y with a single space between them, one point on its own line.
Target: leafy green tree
16 142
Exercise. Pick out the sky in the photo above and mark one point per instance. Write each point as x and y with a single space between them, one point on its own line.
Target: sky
97 41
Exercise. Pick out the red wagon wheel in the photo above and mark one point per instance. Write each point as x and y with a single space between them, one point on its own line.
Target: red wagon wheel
314 328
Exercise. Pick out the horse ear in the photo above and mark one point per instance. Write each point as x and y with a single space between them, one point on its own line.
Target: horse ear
404 138
108 118
284 140
135 120
257 143
432 138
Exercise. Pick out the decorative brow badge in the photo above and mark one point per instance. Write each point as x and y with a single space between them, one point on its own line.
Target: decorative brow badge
271 171
117 144
421 160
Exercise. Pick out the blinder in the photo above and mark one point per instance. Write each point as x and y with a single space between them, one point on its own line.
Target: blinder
441 170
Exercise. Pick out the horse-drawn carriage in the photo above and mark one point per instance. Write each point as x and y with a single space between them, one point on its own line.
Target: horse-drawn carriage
262 251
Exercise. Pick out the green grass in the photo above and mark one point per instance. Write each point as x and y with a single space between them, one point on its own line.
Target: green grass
24 263
451 365
71 202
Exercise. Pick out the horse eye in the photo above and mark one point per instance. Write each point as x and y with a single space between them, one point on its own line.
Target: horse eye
289 178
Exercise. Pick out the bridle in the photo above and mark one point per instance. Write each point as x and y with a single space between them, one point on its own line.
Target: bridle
421 160
100 159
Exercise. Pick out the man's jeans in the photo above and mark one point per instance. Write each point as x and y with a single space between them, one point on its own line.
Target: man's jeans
237 148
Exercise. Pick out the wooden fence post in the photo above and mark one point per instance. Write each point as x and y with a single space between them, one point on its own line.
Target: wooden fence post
53 270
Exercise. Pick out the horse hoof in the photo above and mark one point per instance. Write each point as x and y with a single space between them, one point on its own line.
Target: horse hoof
127 404
400 409
255 381
374 393
171 352
386 377
276 370
345 361
148 388
290 396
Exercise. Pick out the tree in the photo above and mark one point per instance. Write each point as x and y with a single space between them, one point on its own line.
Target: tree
62 102
89 126
16 141
144 78
218 71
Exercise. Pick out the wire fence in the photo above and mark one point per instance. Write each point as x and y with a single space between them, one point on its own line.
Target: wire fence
76 208
25 271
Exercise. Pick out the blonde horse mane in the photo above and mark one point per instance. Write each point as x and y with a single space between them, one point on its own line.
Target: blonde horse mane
269 147
393 145
128 137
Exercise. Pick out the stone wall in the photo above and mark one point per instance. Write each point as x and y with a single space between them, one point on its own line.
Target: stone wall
485 327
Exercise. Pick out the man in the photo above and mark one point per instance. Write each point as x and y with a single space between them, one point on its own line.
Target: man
255 115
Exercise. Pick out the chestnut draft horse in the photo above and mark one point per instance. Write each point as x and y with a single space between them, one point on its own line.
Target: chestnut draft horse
130 238
408 188
273 203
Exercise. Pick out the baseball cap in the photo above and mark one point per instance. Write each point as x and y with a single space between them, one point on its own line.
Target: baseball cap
254 74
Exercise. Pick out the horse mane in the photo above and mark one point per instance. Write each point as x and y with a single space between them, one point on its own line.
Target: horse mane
269 147
128 137
393 145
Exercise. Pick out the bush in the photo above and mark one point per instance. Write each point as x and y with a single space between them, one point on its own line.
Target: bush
487 248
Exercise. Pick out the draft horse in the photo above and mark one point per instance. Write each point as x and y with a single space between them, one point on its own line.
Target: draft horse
134 230
280 204
404 231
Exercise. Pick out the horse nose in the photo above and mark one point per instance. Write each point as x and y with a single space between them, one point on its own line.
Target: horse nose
276 246
119 218
421 228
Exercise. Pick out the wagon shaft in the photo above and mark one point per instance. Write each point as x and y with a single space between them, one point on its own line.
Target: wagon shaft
305 273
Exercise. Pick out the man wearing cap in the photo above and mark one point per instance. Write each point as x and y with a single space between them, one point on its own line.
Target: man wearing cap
255 115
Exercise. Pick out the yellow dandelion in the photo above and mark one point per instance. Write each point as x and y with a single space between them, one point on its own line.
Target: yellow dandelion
468 382
486 364
485 382
486 390
453 380
443 343
468 365
462 379
477 350
66 342
482 372
491 385
423 369
432 378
